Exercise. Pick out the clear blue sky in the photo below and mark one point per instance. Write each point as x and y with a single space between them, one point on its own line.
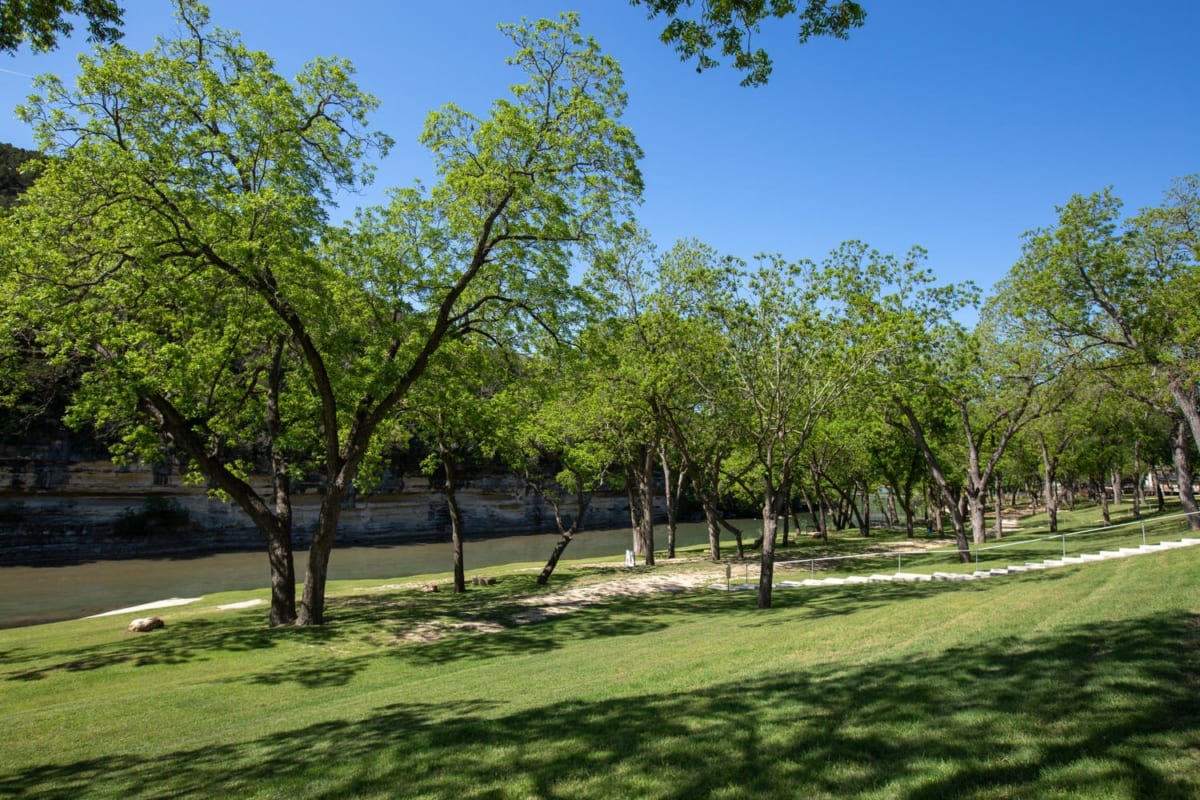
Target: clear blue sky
952 124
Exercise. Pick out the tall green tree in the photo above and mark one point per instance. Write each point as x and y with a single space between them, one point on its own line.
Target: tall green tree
928 377
1121 293
686 343
185 190
658 349
455 410
190 189
556 430
793 346
1120 290
990 382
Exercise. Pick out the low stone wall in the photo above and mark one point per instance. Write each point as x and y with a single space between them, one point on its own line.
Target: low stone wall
70 512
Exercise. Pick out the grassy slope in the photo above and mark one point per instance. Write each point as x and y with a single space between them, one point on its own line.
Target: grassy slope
1076 682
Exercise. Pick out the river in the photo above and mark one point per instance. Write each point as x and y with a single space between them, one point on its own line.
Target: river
32 595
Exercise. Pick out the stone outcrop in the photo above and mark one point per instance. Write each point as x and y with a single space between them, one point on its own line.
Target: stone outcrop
145 624
57 510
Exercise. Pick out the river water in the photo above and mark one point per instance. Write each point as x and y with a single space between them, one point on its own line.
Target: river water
32 595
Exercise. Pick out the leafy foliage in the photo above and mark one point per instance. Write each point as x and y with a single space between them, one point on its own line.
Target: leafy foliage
730 25
41 22
16 174
194 271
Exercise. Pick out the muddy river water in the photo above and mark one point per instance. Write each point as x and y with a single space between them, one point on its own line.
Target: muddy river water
32 595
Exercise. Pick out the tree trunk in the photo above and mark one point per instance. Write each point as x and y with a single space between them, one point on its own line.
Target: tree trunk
646 490
274 523
280 555
456 533
1159 497
766 574
864 520
737 537
713 521
634 516
1183 474
708 501
1118 495
544 576
797 524
1138 481
283 578
1104 512
939 521
917 432
583 499
641 505
671 498
312 601
975 491
906 505
999 504
1184 392
1049 479
787 521
831 512
814 511
976 507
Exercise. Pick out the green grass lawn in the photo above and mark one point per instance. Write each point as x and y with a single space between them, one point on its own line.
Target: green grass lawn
1078 682
886 551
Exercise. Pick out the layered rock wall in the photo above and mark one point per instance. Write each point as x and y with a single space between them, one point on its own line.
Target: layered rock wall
54 510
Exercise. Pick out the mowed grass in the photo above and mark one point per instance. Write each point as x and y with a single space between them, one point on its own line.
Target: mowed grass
1078 682
888 551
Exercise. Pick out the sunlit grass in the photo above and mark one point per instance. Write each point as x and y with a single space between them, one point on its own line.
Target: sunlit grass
888 551
1074 682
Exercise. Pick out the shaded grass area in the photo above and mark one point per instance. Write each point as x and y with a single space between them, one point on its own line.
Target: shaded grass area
1079 683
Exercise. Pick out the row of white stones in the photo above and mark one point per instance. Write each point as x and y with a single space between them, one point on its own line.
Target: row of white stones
916 577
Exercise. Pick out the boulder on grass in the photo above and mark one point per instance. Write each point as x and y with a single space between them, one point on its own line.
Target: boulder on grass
146 624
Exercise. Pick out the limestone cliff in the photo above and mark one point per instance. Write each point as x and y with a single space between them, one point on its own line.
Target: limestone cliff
54 509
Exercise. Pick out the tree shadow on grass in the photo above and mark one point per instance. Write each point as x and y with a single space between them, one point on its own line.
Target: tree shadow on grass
191 640
479 625
1090 710
12 655
182 642
480 632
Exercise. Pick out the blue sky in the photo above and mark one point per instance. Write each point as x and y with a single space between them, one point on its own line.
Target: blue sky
951 124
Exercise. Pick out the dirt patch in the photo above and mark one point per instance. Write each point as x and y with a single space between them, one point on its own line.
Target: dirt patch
676 575
433 630
542 607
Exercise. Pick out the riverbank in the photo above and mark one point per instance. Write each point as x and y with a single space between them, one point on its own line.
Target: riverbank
31 595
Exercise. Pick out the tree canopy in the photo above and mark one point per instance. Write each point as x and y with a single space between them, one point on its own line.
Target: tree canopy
40 23
196 278
695 28
698 28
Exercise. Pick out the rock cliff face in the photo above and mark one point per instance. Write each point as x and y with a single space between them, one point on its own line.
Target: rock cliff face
57 510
